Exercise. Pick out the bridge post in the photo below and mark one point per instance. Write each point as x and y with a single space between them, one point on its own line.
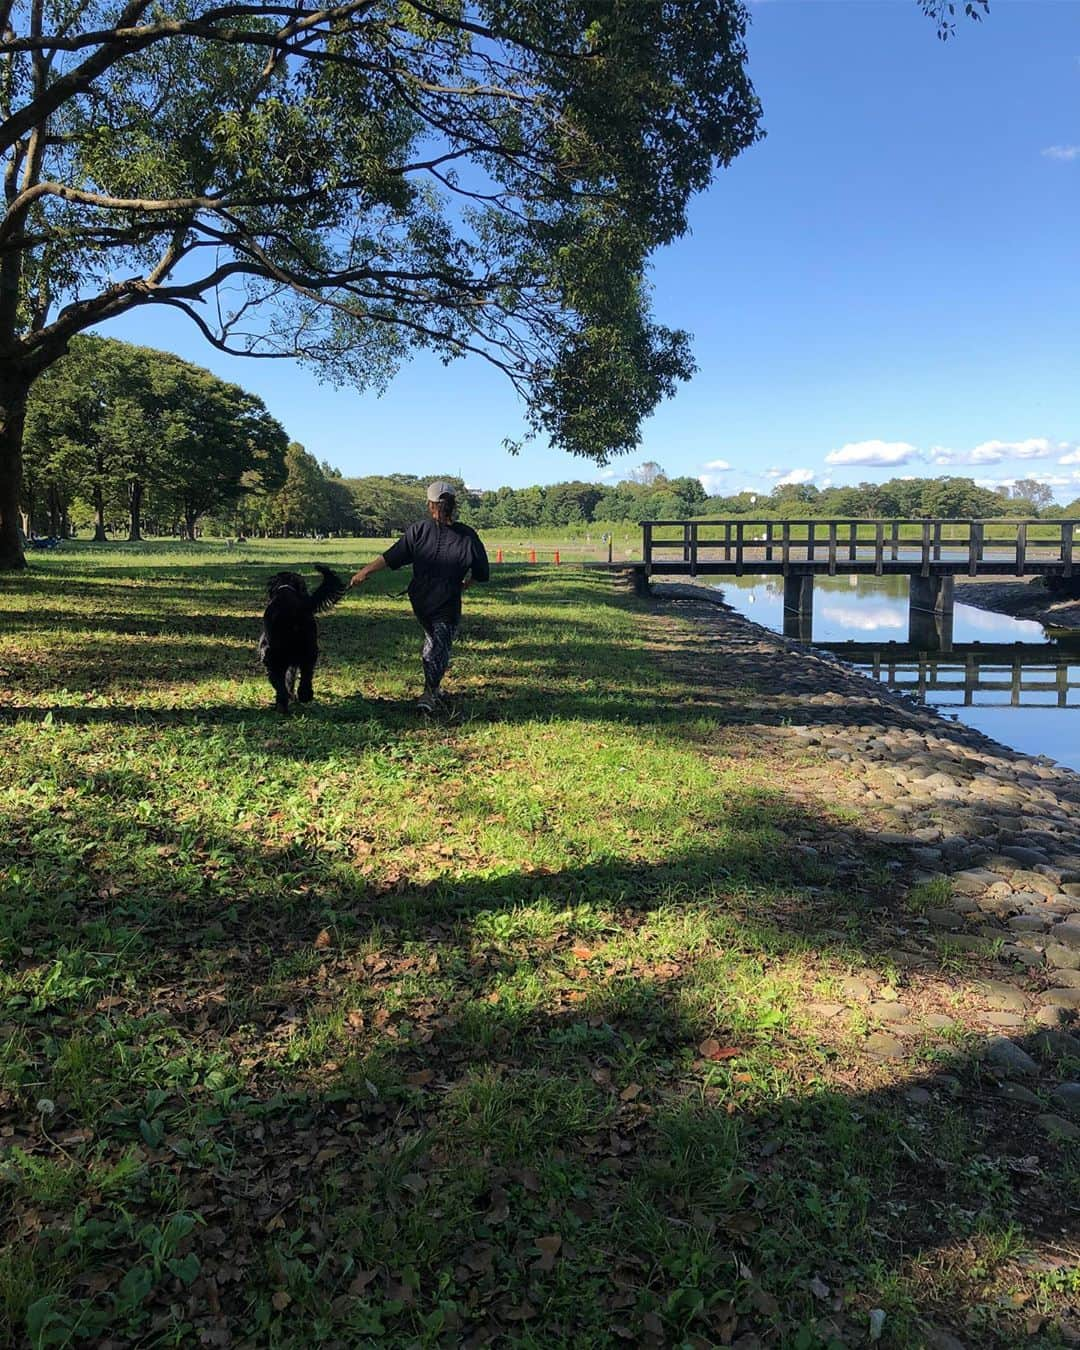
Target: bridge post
799 606
930 612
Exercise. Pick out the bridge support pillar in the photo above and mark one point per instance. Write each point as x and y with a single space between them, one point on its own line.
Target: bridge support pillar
930 613
799 606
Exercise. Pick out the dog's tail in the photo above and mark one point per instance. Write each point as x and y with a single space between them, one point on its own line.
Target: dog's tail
329 591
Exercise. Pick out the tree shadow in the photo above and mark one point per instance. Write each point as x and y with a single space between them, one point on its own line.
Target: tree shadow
381 1094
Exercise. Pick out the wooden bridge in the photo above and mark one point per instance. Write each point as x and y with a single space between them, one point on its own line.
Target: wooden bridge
1007 674
932 553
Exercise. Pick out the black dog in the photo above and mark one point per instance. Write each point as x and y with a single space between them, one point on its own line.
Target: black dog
289 645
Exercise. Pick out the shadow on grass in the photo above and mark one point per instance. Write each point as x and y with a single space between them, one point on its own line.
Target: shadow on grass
494 1167
295 1097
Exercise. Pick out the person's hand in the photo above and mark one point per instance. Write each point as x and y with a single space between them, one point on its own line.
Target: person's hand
358 578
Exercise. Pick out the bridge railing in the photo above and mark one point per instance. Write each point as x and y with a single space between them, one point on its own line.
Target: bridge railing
919 546
1020 679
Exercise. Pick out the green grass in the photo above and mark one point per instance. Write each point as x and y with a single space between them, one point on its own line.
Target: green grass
353 1028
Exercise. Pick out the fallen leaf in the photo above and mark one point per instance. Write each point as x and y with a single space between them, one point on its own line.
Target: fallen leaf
500 1206
323 940
280 1300
713 1050
361 1280
549 1249
582 953
75 1137
629 1092
420 1078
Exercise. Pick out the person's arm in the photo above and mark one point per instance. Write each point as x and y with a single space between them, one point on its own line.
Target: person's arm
376 565
480 569
397 555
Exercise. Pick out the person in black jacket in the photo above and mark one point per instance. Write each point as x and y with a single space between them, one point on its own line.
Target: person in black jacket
446 558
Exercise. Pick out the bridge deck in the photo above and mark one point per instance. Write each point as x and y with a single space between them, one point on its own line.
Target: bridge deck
859 547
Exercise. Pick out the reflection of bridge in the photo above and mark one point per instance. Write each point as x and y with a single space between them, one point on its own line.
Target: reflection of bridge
1032 674
929 552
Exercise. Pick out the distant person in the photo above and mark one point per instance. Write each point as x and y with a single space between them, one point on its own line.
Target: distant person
446 558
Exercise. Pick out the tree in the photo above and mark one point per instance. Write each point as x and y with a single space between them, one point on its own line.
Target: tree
345 184
646 474
112 421
689 491
1040 495
301 503
77 437
957 499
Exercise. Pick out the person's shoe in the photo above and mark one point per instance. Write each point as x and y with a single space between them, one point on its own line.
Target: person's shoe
427 702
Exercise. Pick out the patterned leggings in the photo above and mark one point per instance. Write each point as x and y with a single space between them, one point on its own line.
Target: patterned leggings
435 653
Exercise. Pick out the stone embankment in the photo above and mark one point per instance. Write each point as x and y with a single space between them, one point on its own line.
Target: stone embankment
985 840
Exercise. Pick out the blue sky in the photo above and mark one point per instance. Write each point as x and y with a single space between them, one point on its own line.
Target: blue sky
888 284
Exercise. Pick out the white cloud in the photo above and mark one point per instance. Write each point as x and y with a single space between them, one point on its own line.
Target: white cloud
989 452
1073 457
993 452
795 476
872 452
711 476
1062 152
864 618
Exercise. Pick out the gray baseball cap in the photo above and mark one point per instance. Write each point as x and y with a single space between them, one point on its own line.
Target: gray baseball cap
440 488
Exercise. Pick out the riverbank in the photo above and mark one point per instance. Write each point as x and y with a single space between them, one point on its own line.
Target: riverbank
687 989
1020 600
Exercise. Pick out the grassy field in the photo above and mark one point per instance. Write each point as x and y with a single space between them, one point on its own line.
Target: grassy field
357 1029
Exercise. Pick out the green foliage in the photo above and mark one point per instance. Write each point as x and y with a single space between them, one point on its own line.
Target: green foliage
907 498
126 428
484 181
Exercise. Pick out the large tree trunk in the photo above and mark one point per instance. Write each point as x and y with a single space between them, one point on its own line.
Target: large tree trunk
14 388
190 521
100 537
135 496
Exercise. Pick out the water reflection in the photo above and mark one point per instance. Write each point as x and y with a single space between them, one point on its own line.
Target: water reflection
998 674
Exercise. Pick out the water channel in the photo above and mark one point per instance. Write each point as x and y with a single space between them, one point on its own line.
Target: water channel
1001 675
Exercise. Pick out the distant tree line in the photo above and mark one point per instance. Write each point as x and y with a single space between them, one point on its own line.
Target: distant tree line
947 498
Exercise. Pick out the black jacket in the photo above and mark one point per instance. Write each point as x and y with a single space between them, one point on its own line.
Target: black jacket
441 555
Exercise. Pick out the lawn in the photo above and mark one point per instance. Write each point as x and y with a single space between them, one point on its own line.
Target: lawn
355 1028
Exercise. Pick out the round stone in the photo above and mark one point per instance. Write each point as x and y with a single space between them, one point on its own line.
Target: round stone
882 1046
1061 998
1058 1128
1007 1055
1067 1095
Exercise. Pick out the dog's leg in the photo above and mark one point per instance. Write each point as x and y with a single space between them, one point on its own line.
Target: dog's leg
306 692
276 676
